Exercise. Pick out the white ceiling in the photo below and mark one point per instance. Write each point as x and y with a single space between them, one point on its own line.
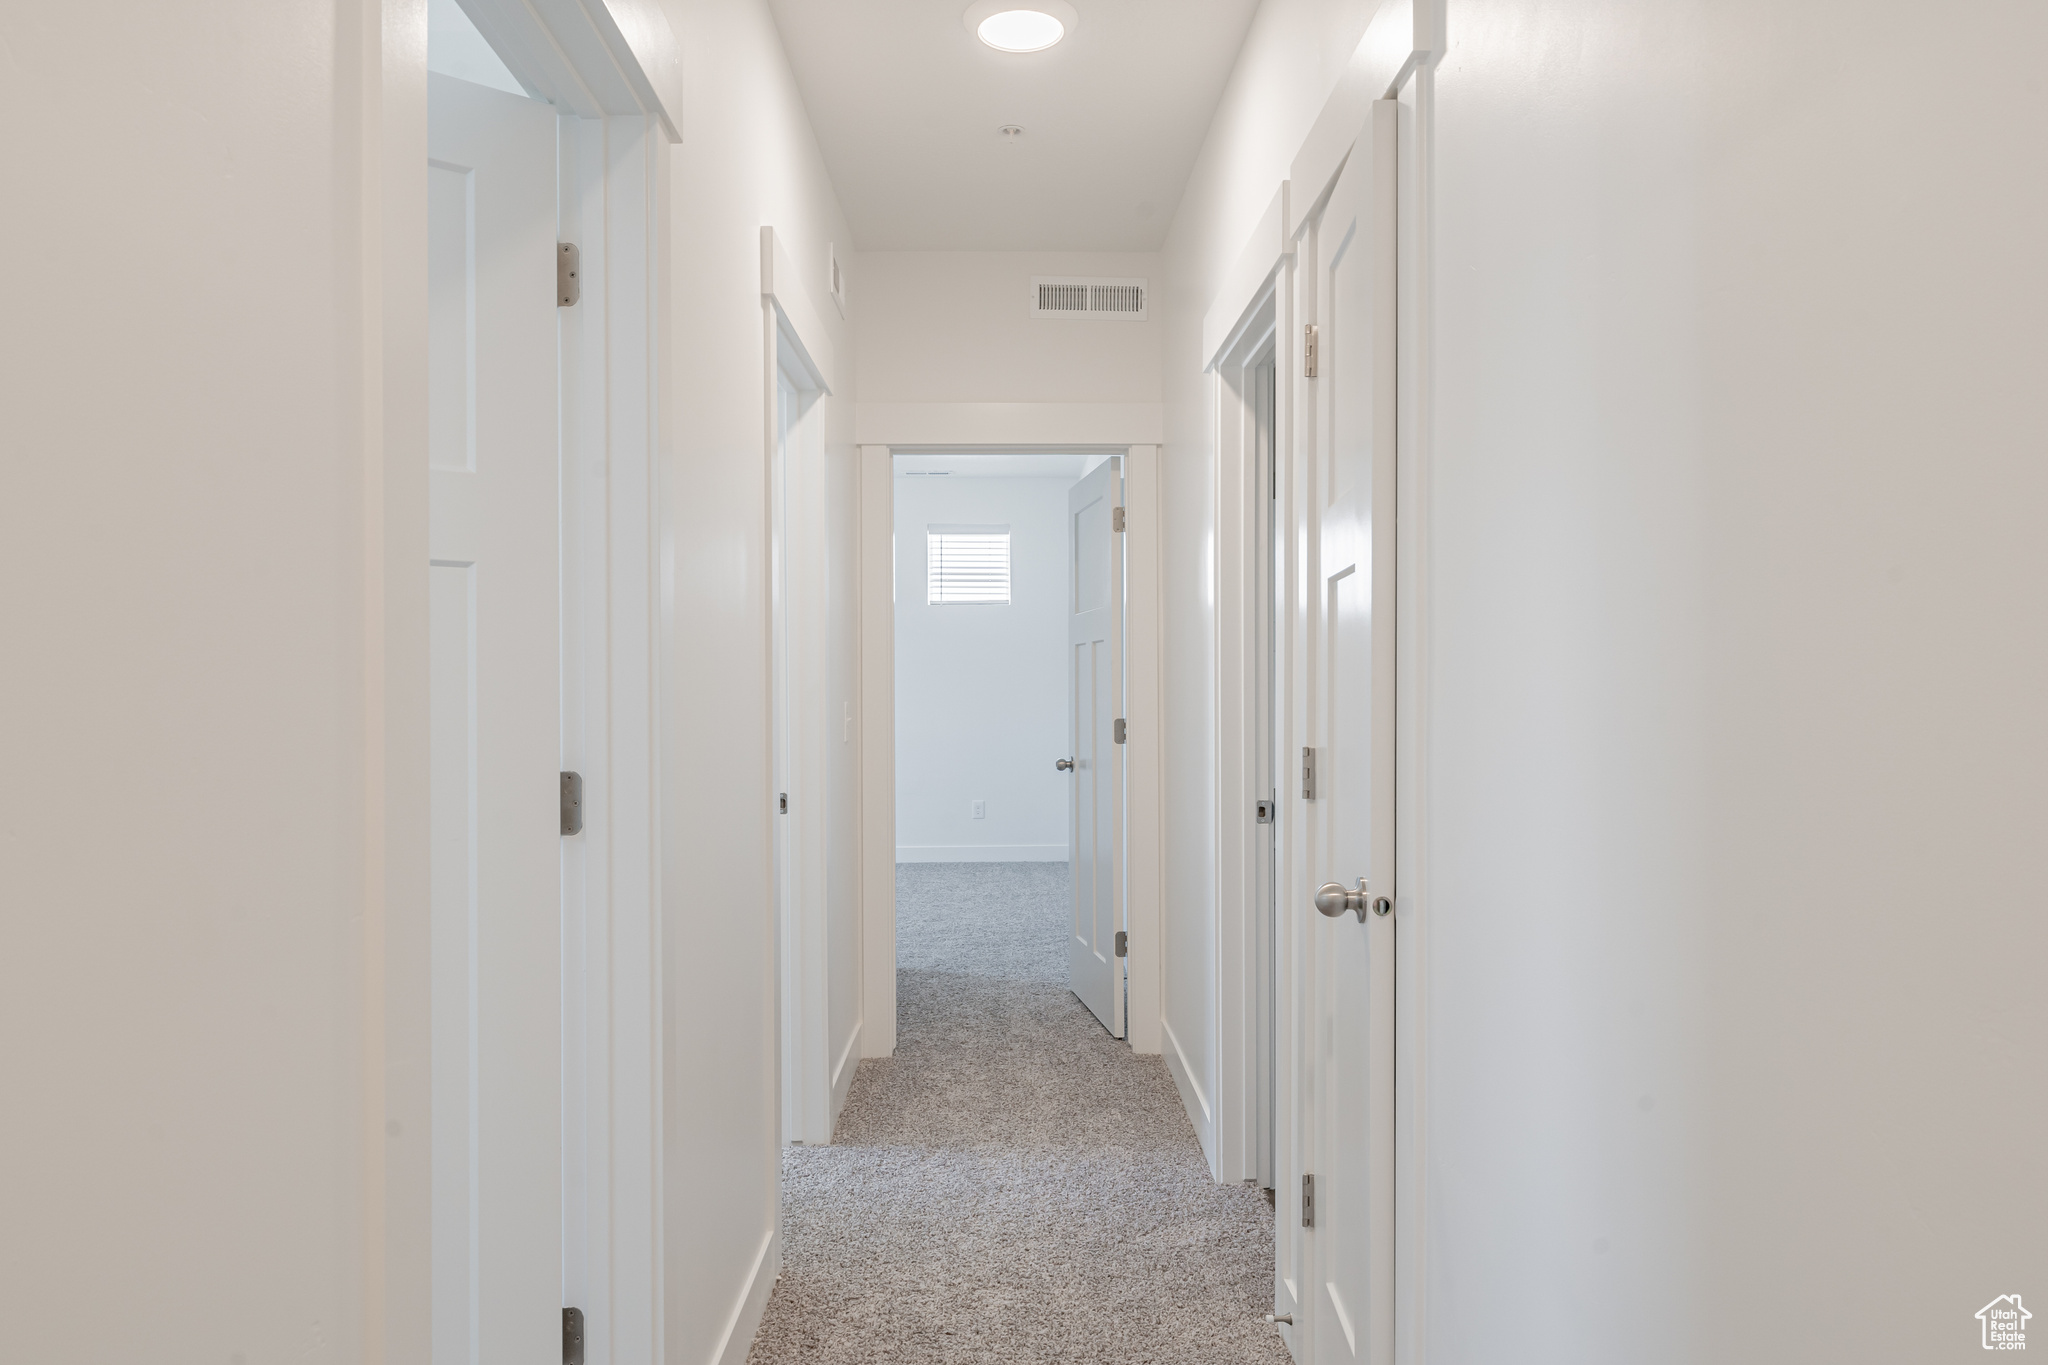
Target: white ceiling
906 103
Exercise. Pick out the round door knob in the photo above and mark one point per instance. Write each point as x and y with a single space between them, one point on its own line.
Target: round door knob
1334 898
1065 765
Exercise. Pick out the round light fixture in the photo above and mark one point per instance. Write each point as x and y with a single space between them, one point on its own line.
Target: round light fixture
1020 25
1020 30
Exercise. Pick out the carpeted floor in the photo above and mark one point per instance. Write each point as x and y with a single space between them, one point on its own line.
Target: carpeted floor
1014 1184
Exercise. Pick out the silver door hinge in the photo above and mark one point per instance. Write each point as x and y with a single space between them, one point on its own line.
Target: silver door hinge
568 274
572 1336
572 803
1308 351
1308 1201
782 799
1123 943
1117 730
1116 518
1308 774
1263 810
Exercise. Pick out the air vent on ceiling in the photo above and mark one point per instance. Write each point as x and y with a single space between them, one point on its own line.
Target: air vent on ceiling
1071 297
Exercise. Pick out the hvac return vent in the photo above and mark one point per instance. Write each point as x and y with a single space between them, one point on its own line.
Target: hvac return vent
1070 297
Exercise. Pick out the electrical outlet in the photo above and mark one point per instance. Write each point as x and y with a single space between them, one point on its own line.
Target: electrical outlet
981 810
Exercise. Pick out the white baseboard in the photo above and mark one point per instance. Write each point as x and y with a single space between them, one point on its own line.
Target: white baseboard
981 853
842 1073
753 1300
1191 1097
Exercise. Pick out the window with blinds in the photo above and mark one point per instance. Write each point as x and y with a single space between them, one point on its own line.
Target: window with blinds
967 565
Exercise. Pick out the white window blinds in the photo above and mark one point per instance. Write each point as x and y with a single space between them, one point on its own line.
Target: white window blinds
967 564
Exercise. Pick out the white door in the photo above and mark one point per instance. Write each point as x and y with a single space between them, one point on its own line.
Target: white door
1095 661
789 937
495 728
1351 816
798 622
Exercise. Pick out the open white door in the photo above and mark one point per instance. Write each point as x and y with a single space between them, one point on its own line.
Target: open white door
496 728
1351 816
1095 681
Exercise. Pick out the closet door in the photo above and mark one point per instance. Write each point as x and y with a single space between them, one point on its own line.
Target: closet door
1350 936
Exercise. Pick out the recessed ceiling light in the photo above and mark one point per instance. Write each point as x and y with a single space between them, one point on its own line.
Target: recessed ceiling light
1009 132
1020 30
1029 26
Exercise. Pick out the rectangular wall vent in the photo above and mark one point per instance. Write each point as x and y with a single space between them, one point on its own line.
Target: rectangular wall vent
1073 297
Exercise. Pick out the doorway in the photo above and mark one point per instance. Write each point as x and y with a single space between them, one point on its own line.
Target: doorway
543 411
815 759
1009 705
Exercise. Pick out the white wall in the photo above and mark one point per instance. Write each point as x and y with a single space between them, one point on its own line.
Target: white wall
213 831
981 691
1737 647
747 159
215 531
1740 637
1293 55
957 327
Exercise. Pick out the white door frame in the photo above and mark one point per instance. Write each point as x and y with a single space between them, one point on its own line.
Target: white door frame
612 195
577 57
1414 347
798 375
1244 716
1143 872
1394 60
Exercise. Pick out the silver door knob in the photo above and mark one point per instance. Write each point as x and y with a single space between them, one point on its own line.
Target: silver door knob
1333 899
1065 765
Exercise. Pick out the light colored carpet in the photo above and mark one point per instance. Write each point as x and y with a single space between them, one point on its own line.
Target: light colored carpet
1014 1184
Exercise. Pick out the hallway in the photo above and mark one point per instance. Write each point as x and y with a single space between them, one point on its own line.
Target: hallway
1014 1184
581 575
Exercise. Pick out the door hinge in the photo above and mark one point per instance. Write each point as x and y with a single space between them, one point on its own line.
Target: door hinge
1308 1201
1308 774
1118 729
782 802
572 1336
572 803
568 274
1308 351
1123 943
1116 519
1263 810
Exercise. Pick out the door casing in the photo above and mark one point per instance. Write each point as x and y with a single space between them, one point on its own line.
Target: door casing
1143 708
816 1068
